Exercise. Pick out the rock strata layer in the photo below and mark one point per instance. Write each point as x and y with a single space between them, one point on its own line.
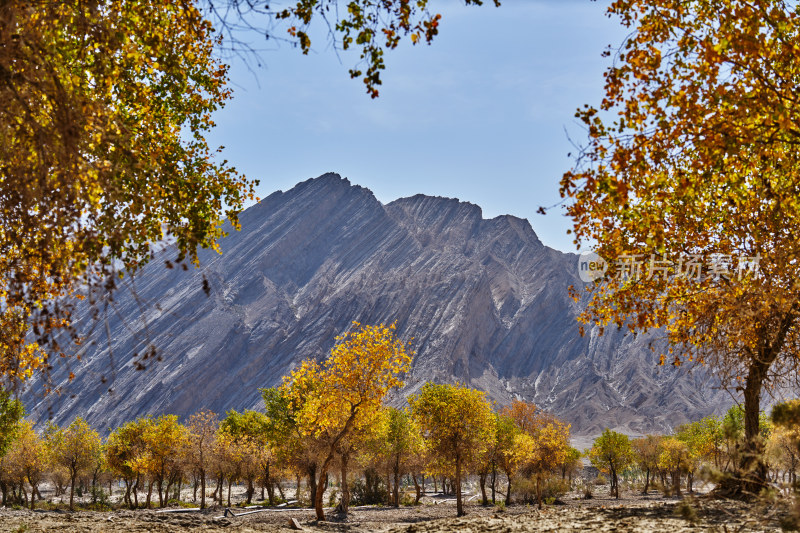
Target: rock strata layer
484 300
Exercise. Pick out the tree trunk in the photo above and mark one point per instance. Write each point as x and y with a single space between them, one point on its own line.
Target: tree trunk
318 494
751 476
297 491
676 483
323 477
614 482
271 493
751 466
646 482
508 489
396 469
202 489
459 503
251 489
312 483
494 482
485 500
126 498
345 501
539 492
417 487
170 482
149 494
35 492
72 491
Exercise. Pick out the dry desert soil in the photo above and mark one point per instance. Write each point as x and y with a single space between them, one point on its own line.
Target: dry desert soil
633 513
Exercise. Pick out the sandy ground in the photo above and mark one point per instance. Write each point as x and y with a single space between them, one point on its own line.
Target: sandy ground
633 513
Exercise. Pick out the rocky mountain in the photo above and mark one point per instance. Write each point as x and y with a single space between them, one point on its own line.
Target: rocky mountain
485 301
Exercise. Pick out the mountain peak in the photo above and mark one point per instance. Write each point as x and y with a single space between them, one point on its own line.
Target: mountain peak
484 303
325 180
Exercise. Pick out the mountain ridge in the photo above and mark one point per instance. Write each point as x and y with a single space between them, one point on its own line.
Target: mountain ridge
484 299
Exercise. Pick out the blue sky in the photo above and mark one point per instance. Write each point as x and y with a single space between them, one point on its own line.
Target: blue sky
483 114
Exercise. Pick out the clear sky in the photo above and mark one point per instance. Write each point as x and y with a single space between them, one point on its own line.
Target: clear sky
484 114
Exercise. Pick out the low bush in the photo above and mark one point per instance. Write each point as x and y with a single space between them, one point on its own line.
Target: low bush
408 500
554 488
368 491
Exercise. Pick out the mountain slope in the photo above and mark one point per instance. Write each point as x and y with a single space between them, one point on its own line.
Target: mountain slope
484 300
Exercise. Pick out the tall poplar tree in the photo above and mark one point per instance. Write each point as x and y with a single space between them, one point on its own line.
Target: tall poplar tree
690 187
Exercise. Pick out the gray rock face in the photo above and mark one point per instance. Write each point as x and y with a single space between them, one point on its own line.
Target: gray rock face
484 300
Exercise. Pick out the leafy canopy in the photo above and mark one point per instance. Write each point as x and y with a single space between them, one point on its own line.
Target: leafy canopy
690 186
104 107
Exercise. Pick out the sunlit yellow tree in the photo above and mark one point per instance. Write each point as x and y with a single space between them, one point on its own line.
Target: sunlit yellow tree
394 446
690 187
457 422
28 456
103 111
786 437
509 451
164 442
123 448
248 434
783 450
611 453
11 411
550 446
332 399
74 448
646 451
676 459
291 448
202 427
701 439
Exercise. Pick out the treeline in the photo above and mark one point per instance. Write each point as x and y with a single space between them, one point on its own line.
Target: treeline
327 419
446 433
711 448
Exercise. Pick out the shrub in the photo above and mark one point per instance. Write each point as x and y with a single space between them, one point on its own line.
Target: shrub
408 500
600 480
585 489
686 510
368 491
553 489
333 498
791 520
524 490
